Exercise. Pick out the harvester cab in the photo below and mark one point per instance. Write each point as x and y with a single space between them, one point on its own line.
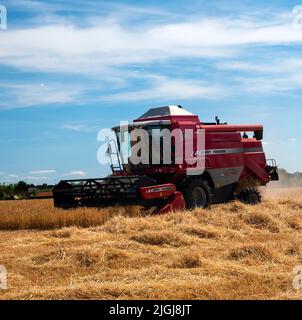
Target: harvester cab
169 159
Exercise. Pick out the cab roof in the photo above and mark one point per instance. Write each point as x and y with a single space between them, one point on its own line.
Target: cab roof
166 111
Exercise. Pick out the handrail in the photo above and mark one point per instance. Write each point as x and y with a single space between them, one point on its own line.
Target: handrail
110 153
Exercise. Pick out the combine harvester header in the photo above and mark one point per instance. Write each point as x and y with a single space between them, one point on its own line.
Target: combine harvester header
233 166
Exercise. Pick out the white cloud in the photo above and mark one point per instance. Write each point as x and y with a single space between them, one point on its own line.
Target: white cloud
290 66
163 88
273 75
25 95
75 173
79 127
68 48
42 171
281 65
11 176
105 48
33 178
265 143
30 5
14 177
90 7
269 84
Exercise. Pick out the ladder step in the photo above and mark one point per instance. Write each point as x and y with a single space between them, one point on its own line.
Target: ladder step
114 153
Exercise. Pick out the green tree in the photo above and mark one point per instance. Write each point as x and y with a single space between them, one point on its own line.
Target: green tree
21 187
2 192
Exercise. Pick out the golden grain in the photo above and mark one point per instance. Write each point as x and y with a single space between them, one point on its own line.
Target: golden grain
231 251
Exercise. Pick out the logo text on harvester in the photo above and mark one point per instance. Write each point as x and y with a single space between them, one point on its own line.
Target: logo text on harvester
3 17
168 310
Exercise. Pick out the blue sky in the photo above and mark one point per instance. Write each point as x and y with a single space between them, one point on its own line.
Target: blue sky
69 69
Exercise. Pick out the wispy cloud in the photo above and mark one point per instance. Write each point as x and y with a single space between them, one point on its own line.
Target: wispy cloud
107 50
276 65
269 84
33 178
80 127
111 44
75 173
266 143
267 76
163 88
91 8
11 176
25 95
42 171
15 178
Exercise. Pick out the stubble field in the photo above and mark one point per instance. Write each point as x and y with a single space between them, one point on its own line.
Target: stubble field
231 251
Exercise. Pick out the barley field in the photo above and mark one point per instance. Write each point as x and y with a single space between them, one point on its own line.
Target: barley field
231 251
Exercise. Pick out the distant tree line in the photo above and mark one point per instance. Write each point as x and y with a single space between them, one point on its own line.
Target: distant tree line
22 190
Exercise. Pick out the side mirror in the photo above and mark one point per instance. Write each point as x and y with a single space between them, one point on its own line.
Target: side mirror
258 134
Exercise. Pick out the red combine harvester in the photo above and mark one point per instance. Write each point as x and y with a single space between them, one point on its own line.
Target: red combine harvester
235 165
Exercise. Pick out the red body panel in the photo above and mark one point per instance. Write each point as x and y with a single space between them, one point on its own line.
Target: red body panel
232 128
158 191
225 148
175 202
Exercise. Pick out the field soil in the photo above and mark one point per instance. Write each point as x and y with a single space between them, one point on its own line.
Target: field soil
231 251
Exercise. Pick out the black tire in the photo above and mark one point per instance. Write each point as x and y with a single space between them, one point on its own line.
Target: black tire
250 196
197 194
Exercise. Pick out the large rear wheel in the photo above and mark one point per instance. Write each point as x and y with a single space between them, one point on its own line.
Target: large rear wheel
196 194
